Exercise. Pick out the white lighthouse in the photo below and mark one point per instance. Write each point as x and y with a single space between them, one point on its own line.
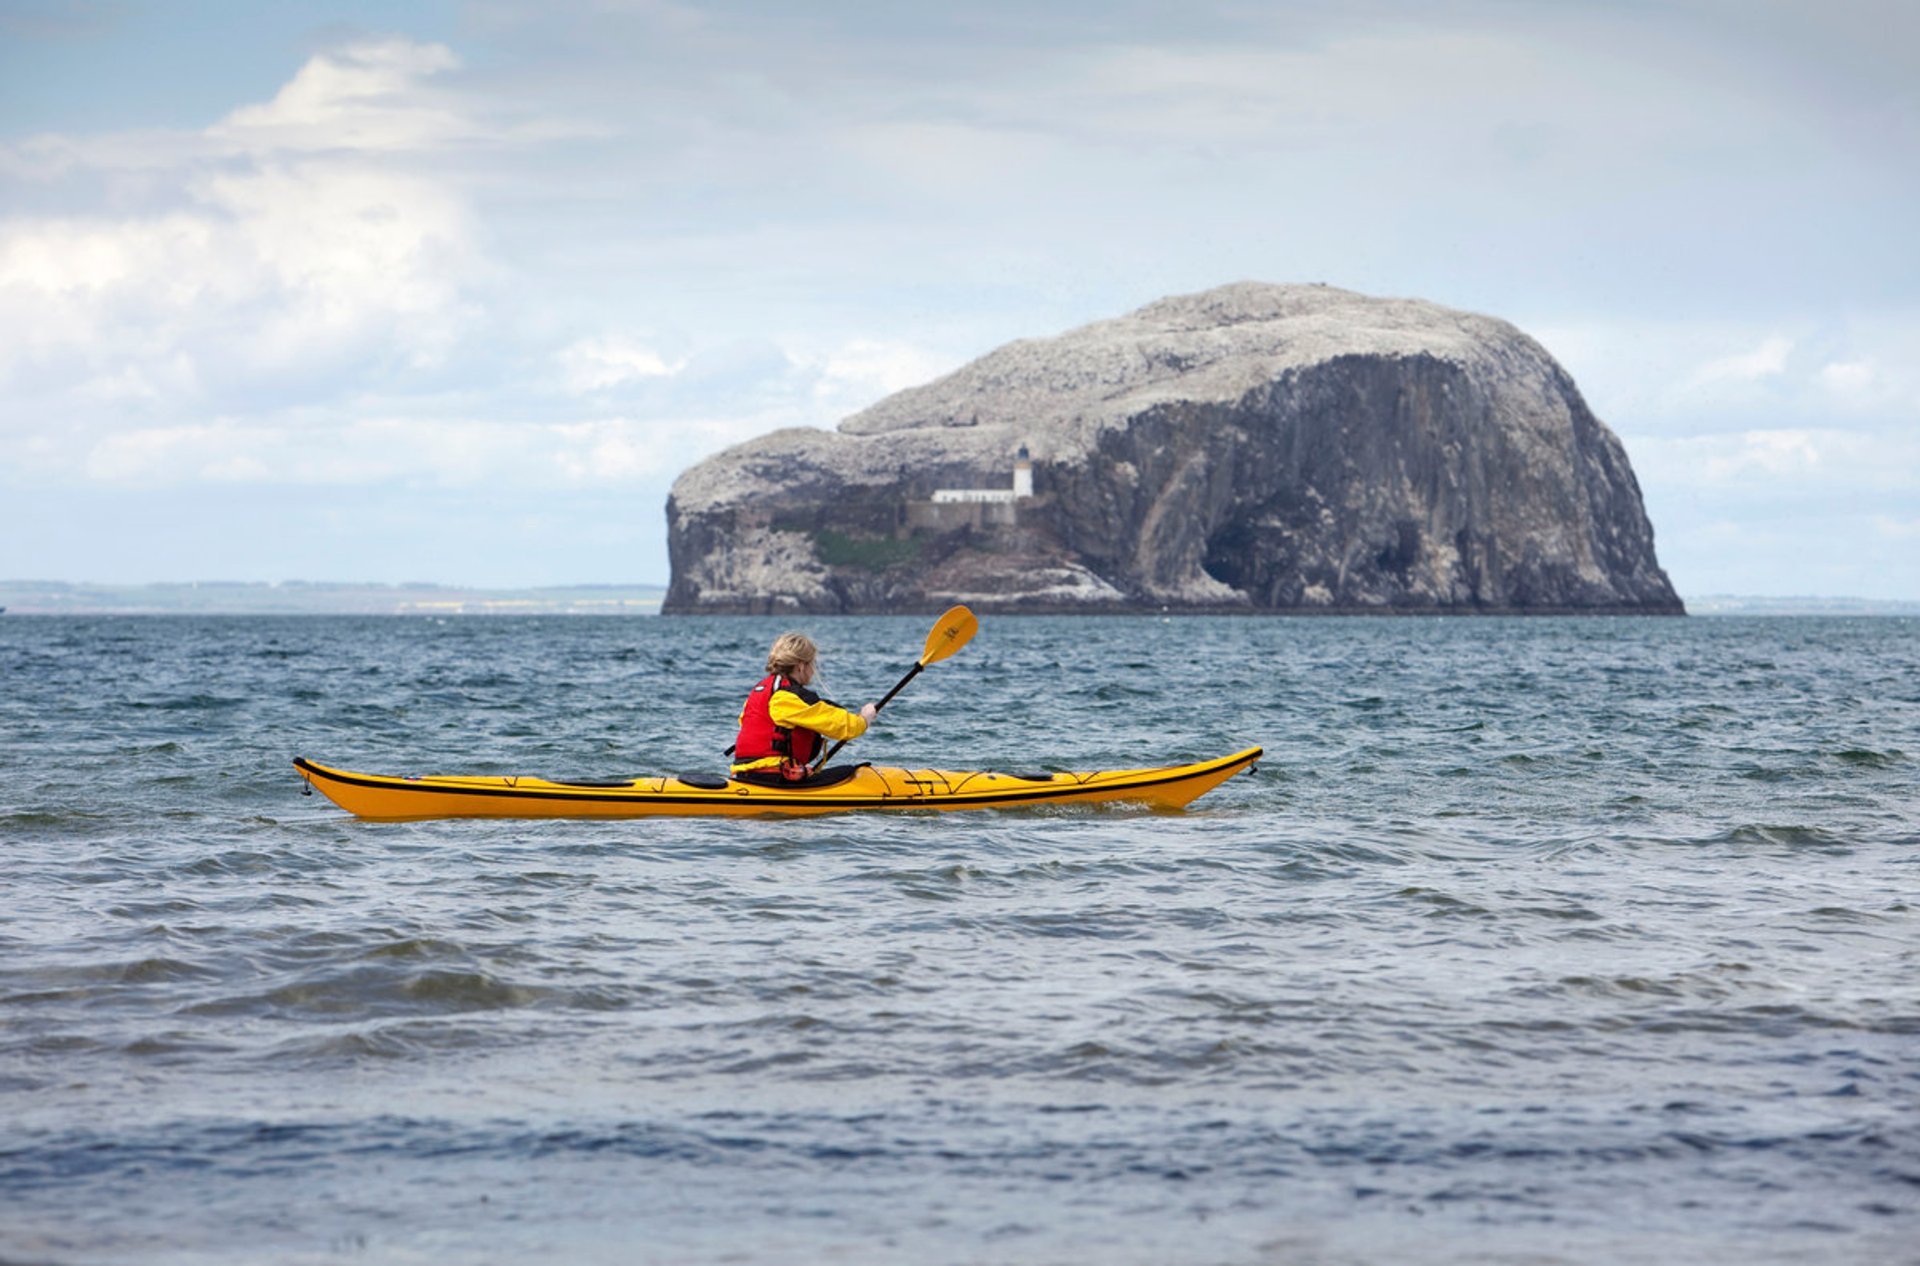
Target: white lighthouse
949 509
1022 486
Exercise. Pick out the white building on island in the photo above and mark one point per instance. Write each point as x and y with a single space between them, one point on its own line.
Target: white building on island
950 508
1022 485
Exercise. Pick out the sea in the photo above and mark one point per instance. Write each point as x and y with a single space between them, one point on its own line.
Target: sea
1545 940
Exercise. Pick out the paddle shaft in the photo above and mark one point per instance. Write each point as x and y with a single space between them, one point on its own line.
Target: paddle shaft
898 686
953 630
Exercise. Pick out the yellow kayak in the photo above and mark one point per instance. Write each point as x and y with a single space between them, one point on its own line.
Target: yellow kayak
866 787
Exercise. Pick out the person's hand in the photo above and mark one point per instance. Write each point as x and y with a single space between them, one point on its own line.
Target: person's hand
869 712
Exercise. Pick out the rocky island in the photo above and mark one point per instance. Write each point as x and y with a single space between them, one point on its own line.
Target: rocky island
1252 448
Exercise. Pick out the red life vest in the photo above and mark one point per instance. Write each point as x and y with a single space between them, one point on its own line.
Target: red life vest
760 737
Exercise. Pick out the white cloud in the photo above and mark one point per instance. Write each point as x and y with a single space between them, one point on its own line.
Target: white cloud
367 97
306 252
1866 385
694 407
1768 360
61 279
806 382
342 250
1679 378
1773 453
428 452
867 370
1849 379
1897 529
595 364
629 450
157 379
1788 458
269 271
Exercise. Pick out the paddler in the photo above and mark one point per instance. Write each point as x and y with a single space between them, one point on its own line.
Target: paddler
783 722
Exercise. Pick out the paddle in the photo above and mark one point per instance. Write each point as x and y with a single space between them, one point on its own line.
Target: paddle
950 632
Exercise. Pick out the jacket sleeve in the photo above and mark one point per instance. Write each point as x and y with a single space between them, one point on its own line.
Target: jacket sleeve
826 719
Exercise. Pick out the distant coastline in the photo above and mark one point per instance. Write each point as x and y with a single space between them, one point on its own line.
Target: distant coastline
297 597
1736 604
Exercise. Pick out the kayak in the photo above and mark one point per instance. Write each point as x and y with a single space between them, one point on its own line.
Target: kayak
865 787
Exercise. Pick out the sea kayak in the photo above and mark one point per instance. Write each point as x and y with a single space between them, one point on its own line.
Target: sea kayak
866 787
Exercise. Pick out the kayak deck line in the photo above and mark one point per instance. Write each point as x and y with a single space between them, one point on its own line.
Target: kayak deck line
390 798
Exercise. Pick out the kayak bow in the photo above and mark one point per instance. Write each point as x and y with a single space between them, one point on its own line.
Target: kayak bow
388 798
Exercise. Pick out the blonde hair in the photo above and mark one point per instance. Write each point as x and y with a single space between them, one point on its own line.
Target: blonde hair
789 651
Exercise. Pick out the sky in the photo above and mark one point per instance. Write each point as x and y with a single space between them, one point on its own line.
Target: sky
451 291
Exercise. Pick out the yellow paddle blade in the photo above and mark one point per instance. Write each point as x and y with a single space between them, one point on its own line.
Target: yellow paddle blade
953 631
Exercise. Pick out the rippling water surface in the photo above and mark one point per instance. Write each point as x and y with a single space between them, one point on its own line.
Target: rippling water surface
1544 940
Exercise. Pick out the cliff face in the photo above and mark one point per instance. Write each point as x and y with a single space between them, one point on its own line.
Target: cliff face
1254 447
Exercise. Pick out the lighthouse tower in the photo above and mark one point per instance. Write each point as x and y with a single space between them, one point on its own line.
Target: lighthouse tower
1022 473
